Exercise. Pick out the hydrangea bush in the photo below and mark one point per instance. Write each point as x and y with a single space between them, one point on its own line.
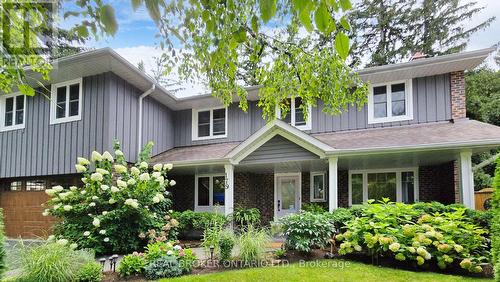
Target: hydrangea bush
399 231
117 206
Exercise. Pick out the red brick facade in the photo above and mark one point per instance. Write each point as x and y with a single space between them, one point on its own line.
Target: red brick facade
457 95
437 183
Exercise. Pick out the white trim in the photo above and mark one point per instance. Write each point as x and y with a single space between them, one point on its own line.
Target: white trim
229 191
333 189
466 179
194 124
307 126
53 101
408 102
210 207
312 174
298 194
14 105
398 171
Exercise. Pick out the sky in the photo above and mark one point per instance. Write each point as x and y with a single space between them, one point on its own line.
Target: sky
136 37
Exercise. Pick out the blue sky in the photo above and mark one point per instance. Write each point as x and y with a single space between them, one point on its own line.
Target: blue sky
136 41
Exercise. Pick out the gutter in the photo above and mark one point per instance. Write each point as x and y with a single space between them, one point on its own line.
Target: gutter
139 131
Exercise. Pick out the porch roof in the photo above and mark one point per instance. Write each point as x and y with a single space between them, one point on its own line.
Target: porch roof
461 134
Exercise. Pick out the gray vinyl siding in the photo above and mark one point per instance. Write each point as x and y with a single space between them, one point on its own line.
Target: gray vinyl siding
431 103
278 149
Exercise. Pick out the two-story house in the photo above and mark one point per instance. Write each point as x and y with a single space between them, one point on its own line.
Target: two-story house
410 142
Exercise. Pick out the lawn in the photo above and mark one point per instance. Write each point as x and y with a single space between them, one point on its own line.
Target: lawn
325 270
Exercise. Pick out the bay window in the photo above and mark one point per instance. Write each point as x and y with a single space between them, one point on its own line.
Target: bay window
399 185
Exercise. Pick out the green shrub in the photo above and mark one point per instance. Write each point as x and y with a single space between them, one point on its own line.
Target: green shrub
280 253
339 217
186 260
400 231
166 266
253 242
114 206
190 220
226 244
495 228
132 264
52 262
211 236
90 272
313 207
244 217
155 251
2 247
306 230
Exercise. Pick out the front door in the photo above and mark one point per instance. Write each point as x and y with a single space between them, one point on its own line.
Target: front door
287 198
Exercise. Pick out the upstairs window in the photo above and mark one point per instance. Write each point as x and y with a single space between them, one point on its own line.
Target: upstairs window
12 111
390 102
295 115
66 101
209 123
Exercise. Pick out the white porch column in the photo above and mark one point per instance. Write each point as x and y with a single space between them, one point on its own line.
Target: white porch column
466 179
332 183
229 191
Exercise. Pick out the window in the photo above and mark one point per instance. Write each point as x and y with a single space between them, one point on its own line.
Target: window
16 186
12 111
66 101
399 185
390 102
318 191
295 116
209 192
35 185
209 123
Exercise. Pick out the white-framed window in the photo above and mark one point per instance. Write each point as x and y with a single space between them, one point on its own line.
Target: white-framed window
391 101
209 192
66 101
318 186
209 123
295 115
399 185
12 111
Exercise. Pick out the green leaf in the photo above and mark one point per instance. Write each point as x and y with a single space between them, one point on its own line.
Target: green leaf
255 24
153 10
108 19
322 18
136 4
305 19
267 9
240 35
345 24
26 90
342 45
82 31
345 4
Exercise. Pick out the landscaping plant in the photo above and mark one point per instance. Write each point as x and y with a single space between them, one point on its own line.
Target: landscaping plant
132 264
191 220
212 235
253 242
115 210
495 228
226 244
399 231
165 266
306 230
90 272
244 217
313 207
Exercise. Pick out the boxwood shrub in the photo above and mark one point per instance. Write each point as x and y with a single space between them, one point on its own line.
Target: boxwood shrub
495 229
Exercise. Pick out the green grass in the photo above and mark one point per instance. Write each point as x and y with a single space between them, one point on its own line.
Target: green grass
325 270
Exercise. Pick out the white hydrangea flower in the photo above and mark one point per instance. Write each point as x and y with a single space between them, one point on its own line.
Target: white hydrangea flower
67 207
84 179
114 189
73 246
96 157
156 174
177 247
51 238
95 198
57 206
58 188
92 204
45 212
82 161
106 239
96 222
50 192
96 176
169 252
102 232
132 202
80 168
156 199
157 167
160 179
64 195
112 201
83 192
104 212
86 233
107 156
121 183
135 171
168 166
120 168
102 171
73 188
172 182
104 187
143 165
131 181
62 242
144 176
118 153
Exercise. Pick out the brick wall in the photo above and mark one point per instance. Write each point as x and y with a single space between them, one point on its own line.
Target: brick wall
437 183
458 108
255 191
183 192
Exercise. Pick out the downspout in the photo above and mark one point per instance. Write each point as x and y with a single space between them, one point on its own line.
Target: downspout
139 131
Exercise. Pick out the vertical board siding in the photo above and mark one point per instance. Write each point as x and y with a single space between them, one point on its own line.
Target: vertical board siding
278 149
431 103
